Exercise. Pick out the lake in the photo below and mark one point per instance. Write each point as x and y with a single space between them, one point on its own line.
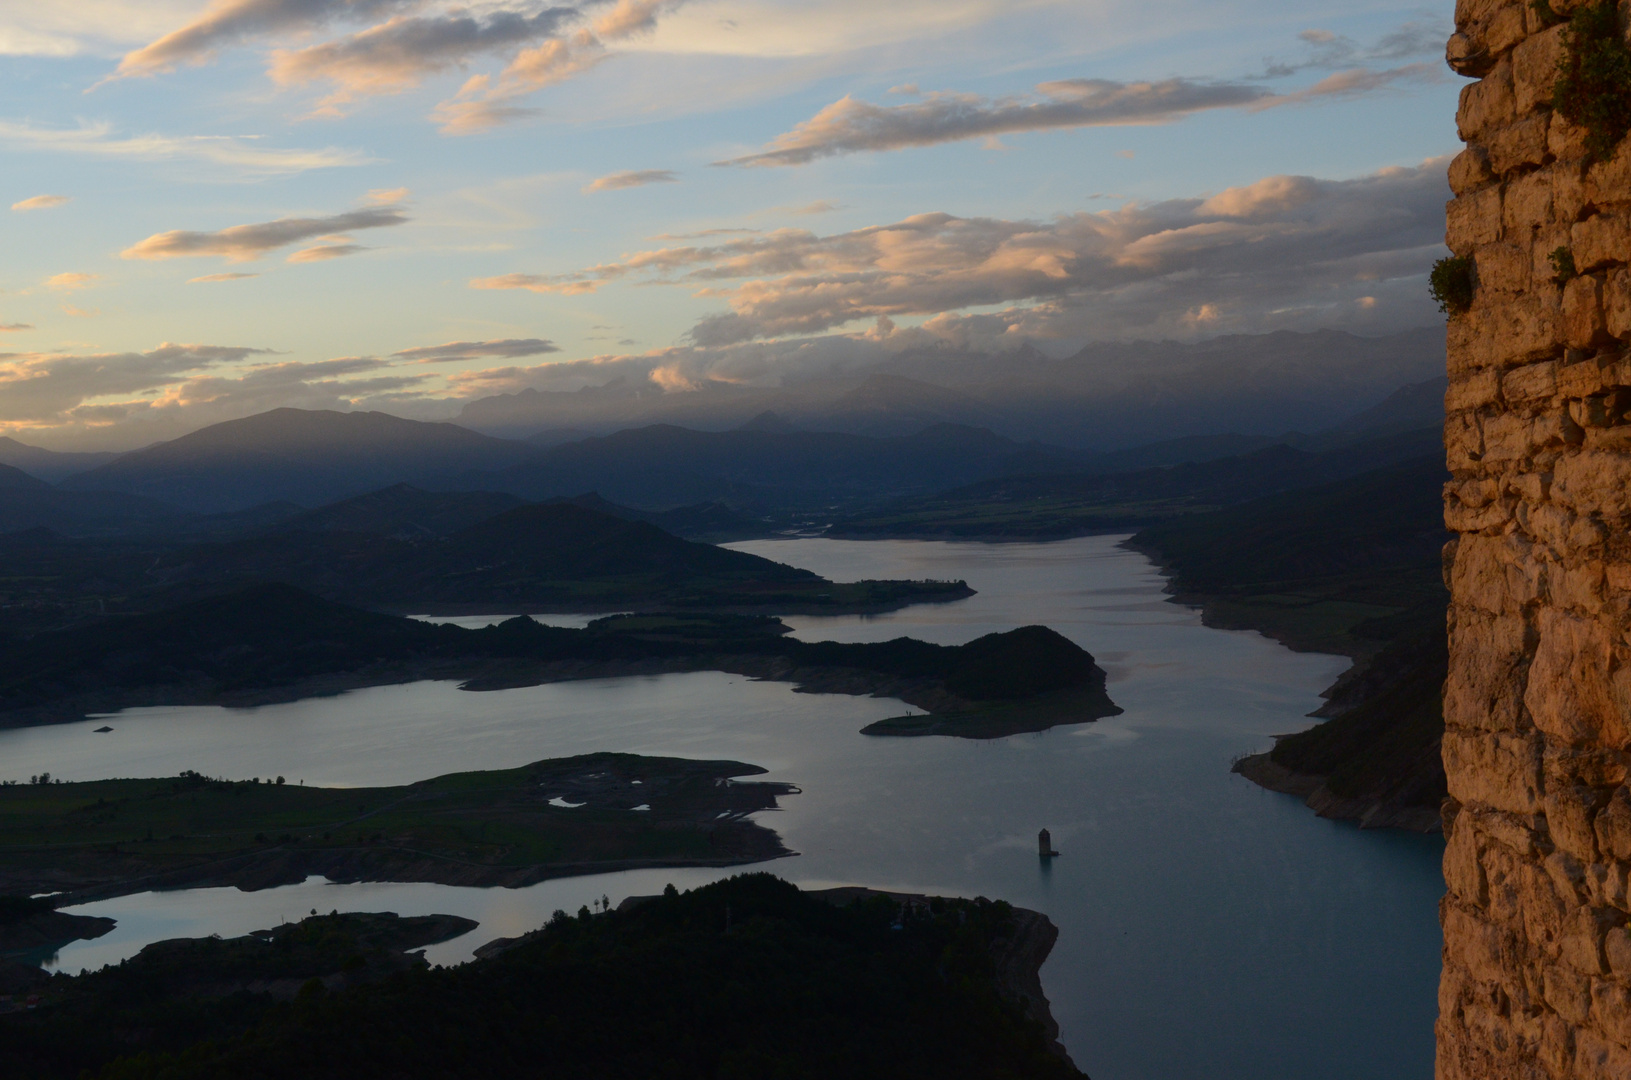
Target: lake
1208 928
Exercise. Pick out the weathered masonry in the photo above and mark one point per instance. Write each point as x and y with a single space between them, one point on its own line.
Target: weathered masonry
1537 952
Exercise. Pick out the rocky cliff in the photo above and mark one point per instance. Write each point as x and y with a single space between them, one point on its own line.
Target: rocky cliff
1537 955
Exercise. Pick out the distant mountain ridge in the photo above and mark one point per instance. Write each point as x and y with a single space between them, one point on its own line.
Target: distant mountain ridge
1105 396
308 457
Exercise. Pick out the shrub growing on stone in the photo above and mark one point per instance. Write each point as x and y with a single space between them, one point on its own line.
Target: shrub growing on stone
1593 88
1450 284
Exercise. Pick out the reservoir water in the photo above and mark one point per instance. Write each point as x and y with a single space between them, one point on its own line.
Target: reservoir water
1208 929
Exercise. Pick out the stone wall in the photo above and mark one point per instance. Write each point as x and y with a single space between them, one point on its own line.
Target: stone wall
1537 956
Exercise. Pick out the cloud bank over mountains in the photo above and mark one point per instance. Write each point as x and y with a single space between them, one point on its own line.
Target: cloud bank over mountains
1244 259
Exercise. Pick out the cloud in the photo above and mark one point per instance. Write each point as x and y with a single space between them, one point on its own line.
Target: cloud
549 44
633 178
48 386
41 202
70 281
243 242
850 126
1252 253
395 55
1323 49
238 152
484 102
14 327
474 350
219 277
820 206
231 22
119 400
337 248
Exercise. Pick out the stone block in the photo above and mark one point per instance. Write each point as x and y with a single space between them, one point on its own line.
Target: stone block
1463 442
1568 183
1613 826
1525 329
1617 950
1601 240
1584 325
1472 391
1499 770
1570 813
1459 517
1534 68
1609 181
1598 1058
1566 142
1462 872
1530 383
1470 170
1569 693
1568 992
1484 690
1526 142
1502 268
1593 481
1473 220
1579 587
1617 309
1487 105
1611 1006
1525 208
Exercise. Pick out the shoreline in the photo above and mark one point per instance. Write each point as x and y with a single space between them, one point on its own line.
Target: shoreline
1266 773
949 712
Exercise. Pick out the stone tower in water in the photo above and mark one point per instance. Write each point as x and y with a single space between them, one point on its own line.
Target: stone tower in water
1537 957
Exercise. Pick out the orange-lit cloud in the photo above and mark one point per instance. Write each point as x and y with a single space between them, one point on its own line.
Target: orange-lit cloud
41 202
70 281
244 242
473 350
633 178
219 277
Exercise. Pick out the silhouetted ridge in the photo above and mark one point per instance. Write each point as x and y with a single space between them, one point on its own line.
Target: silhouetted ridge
405 511
563 539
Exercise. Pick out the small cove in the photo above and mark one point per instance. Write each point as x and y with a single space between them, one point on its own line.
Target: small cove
1208 928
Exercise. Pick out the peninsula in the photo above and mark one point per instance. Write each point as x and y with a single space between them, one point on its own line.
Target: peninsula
275 642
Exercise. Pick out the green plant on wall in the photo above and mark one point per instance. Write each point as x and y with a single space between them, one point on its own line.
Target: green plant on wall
1593 87
1450 284
1562 260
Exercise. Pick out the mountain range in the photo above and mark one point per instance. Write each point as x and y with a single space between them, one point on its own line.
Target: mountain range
1105 396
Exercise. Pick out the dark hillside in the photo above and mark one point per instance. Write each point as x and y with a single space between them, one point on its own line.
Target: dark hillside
404 511
308 457
662 466
1056 505
1352 568
747 977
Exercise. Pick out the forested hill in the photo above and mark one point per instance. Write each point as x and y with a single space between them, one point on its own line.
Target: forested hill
1352 568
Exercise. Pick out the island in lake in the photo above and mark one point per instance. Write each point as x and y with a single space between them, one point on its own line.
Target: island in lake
275 642
581 815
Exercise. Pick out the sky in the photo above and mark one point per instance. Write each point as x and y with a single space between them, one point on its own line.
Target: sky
210 209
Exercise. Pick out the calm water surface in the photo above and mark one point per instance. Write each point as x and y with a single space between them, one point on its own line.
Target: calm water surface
1209 929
